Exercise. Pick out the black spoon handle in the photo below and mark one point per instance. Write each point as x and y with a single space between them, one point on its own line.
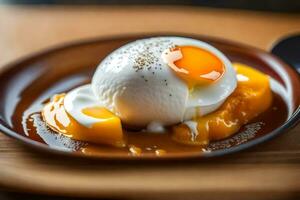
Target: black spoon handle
288 49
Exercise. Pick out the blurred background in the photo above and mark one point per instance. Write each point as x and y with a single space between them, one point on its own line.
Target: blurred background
266 5
31 26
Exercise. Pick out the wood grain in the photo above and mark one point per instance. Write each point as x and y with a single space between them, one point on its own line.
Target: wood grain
268 171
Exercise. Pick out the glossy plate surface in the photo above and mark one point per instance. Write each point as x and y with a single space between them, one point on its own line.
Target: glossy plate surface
29 82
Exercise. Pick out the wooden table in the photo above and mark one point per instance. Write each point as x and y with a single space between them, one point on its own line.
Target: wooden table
268 171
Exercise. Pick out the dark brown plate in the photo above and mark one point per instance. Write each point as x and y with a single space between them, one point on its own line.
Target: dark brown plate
27 83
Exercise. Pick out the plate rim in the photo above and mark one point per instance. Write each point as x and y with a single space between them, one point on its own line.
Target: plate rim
286 126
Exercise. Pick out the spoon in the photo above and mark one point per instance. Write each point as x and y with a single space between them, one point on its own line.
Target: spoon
288 49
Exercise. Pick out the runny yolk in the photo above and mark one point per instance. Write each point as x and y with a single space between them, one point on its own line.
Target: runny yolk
251 97
107 131
99 113
197 66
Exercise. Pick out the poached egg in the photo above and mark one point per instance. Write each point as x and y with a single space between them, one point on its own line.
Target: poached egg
159 80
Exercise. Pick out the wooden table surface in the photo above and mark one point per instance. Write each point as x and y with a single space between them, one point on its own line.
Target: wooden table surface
268 171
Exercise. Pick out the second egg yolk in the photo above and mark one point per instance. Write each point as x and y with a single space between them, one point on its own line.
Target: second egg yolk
107 131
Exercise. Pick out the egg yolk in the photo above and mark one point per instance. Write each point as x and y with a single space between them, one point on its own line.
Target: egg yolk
197 66
107 131
251 97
